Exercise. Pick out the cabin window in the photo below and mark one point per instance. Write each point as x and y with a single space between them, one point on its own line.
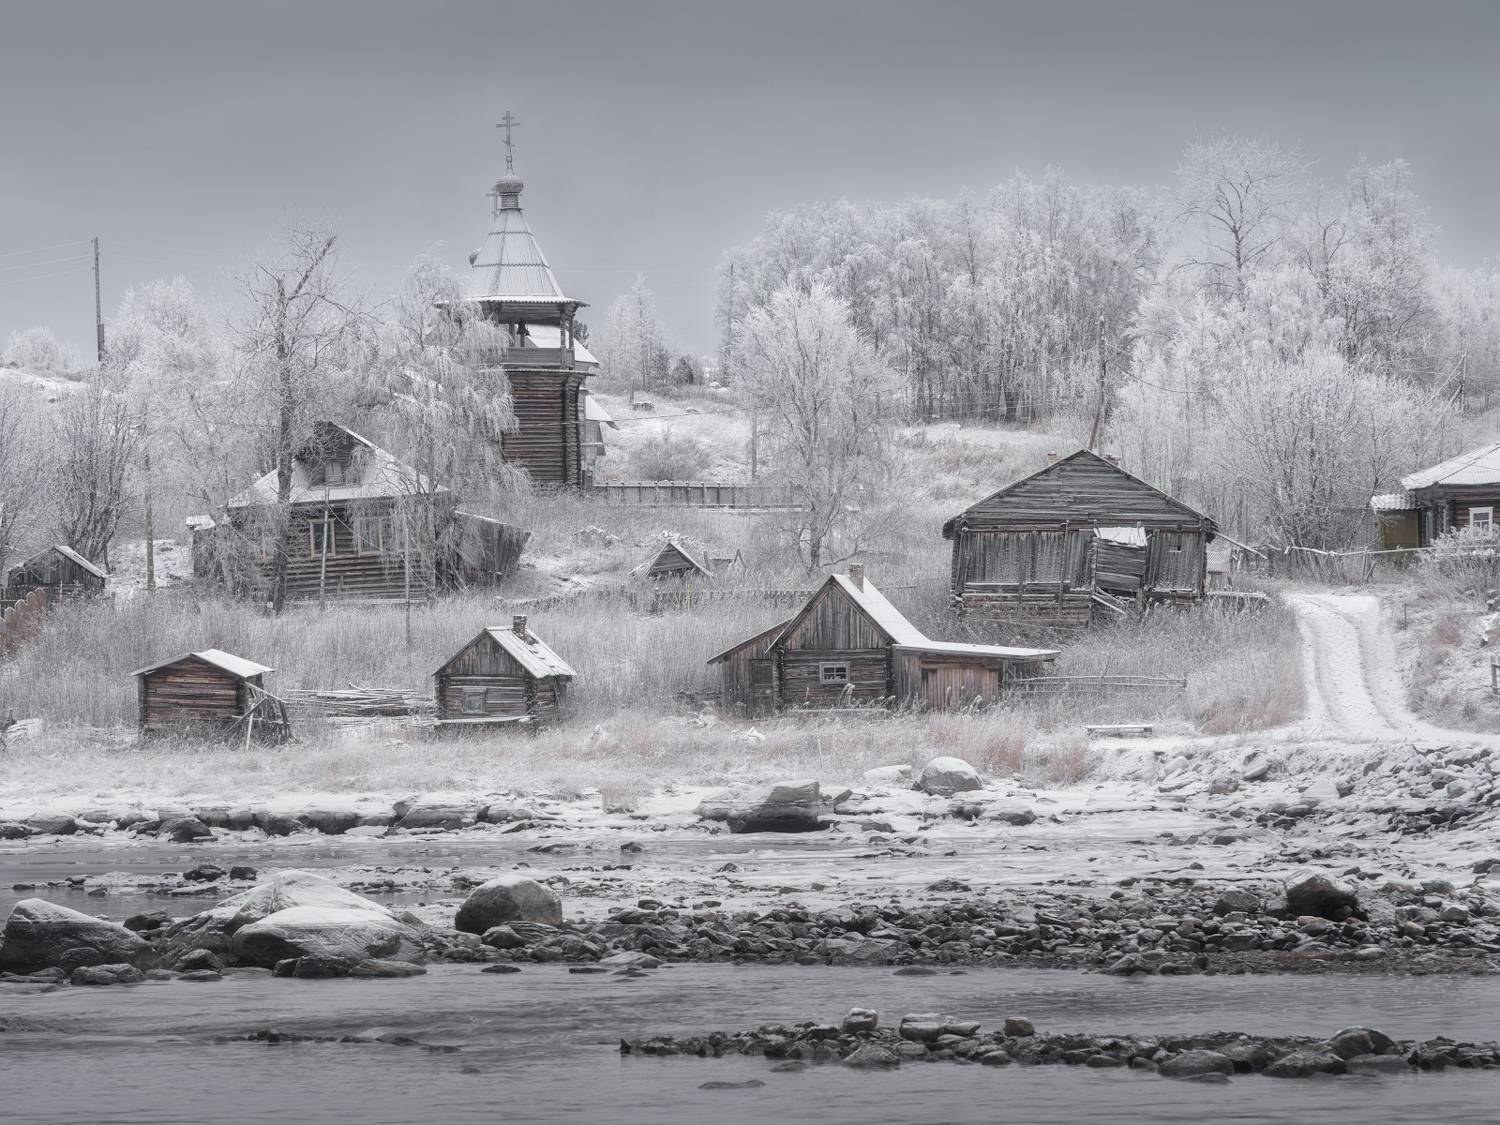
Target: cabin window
1482 520
369 535
471 701
833 673
328 473
317 529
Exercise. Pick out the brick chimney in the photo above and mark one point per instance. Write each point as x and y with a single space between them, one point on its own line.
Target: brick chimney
518 625
1051 456
857 575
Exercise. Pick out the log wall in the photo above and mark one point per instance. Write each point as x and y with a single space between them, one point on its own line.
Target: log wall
800 677
548 439
190 693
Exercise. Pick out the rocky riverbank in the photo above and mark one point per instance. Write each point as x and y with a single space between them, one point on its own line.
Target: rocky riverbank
861 1042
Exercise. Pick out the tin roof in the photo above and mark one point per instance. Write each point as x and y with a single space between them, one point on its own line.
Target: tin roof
236 666
531 654
1394 502
958 648
1475 466
510 266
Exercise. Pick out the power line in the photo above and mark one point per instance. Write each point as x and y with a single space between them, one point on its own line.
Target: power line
39 249
47 262
46 276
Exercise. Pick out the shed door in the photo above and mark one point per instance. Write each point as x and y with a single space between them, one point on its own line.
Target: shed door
1176 562
762 686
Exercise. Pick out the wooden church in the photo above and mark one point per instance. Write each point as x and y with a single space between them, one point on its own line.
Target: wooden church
543 361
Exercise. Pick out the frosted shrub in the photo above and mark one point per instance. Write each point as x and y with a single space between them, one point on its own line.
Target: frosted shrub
670 456
37 349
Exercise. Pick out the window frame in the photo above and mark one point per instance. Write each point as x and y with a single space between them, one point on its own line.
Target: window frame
362 541
1489 518
471 700
315 536
833 666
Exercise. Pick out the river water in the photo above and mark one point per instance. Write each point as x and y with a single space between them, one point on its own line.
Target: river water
542 1045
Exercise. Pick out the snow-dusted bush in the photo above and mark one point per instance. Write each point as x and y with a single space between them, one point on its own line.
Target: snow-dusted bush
670 456
37 349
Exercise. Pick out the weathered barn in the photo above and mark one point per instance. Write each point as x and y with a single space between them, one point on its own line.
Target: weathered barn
1078 534
672 560
209 692
543 361
59 571
1461 494
502 676
352 510
849 646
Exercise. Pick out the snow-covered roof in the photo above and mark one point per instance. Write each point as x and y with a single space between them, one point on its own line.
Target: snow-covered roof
531 654
887 617
67 553
1393 502
235 665
594 411
382 474
671 546
776 629
958 648
1476 466
510 266
1125 536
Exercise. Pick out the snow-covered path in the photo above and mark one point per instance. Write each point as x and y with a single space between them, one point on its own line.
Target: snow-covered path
1354 689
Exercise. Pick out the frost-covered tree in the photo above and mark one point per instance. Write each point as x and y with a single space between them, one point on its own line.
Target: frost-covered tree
23 471
37 349
824 401
95 438
631 346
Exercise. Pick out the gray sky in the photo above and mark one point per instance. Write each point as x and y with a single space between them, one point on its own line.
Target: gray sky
654 135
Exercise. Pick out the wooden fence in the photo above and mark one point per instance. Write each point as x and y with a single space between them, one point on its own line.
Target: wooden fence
695 494
655 598
1097 685
21 621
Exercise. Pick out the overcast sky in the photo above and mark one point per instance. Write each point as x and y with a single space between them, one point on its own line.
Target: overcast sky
654 135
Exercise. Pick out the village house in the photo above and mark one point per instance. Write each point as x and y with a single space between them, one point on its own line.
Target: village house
502 676
558 436
672 560
849 646
209 692
1461 494
58 571
357 517
1078 536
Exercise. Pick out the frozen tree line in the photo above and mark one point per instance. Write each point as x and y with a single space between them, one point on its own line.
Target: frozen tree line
1271 346
188 409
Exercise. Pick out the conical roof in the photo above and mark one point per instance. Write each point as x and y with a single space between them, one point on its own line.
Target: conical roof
510 266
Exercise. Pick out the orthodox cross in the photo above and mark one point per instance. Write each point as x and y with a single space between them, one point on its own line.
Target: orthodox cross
507 123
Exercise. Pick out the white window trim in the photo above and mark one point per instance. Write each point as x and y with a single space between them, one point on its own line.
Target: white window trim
1489 517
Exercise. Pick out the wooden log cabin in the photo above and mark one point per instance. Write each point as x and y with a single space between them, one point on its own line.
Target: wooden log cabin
849 646
58 571
556 440
674 561
1078 537
502 676
1460 495
209 693
351 512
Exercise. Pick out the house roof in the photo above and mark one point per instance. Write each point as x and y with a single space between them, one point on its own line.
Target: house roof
531 654
67 553
673 546
1004 652
594 411
550 336
383 475
1475 466
720 657
887 618
509 265
950 526
1394 502
236 666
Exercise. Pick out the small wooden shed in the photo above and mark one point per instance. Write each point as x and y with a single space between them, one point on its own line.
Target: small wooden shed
209 691
502 676
848 645
59 571
673 561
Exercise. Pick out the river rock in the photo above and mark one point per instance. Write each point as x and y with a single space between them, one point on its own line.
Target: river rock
1193 1064
1321 896
860 1021
872 1056
943 777
329 934
1237 899
510 898
286 890
1373 1065
107 974
790 806
277 824
330 822
1014 814
1360 1041
433 816
1017 1027
184 830
52 824
12 830
232 818
42 935
1305 1063
204 873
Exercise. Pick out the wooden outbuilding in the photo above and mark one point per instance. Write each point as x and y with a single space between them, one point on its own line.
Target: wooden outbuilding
209 692
59 571
849 646
674 561
1461 494
351 511
502 676
1077 537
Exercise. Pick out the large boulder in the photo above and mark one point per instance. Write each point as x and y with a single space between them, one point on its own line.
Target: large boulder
286 890
331 821
1195 1064
789 806
52 824
422 814
943 777
42 935
510 898
330 935
1320 896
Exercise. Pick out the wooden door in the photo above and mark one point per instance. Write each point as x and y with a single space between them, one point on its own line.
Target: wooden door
762 686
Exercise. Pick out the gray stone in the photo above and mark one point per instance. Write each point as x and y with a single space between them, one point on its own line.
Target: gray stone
1320 895
510 898
1018 1027
42 935
436 817
232 818
791 806
184 830
330 822
1192 1064
945 776
860 1021
52 824
872 1056
1360 1041
1304 1064
341 935
1237 899
107 974
1370 1065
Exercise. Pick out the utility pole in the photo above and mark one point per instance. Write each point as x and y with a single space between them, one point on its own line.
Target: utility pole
98 305
1099 406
